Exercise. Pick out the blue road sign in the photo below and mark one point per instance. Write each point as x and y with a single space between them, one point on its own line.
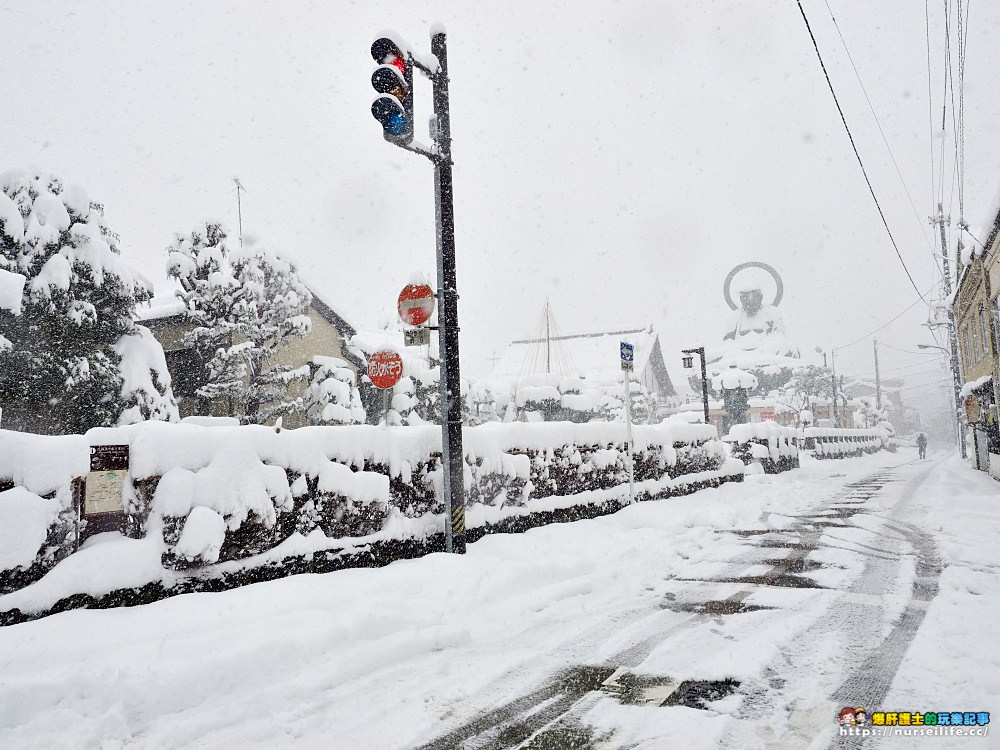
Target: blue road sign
628 354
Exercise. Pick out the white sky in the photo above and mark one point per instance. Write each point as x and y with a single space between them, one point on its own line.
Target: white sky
618 158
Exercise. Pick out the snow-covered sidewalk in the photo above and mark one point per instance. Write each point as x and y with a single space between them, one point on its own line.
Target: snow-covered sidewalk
394 657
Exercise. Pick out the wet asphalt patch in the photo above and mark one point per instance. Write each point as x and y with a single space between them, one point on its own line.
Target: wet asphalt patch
714 607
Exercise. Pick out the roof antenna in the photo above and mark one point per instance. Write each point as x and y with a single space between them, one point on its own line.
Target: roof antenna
239 207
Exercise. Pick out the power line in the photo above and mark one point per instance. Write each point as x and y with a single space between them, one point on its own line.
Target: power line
904 351
942 382
854 146
886 324
871 107
930 96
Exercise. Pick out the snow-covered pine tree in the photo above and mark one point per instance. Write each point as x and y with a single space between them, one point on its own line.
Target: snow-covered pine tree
74 357
332 396
244 304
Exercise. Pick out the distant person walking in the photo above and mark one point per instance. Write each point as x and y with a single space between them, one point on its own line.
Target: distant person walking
922 445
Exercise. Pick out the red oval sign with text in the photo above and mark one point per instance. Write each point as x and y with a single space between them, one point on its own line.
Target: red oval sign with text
416 303
385 369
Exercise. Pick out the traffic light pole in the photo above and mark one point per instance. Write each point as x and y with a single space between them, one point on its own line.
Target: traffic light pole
450 383
393 79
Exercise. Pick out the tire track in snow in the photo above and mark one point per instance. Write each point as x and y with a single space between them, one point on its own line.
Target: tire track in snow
501 724
855 621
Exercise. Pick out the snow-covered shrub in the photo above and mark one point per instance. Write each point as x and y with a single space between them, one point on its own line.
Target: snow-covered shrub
836 442
32 537
245 492
332 396
37 474
769 444
72 358
244 303
222 493
341 502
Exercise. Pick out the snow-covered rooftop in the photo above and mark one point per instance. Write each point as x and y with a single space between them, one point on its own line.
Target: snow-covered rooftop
593 355
164 304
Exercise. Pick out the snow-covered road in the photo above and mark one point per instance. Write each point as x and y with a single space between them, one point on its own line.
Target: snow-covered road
868 582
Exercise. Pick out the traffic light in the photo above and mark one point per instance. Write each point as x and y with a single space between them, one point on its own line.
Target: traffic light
393 80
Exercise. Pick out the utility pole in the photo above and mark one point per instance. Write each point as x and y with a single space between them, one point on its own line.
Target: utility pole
952 333
878 380
833 382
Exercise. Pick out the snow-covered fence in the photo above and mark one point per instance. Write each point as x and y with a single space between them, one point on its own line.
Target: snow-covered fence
773 447
836 442
225 493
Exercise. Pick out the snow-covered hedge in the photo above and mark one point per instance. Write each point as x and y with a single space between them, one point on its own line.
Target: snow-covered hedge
773 447
836 442
217 493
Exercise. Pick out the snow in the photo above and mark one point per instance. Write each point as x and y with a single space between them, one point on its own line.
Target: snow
732 378
203 535
974 385
438 640
24 520
234 484
44 465
11 290
161 305
10 217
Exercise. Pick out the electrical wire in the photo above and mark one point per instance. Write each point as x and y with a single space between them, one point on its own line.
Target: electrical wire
886 324
930 96
929 384
920 222
904 351
854 146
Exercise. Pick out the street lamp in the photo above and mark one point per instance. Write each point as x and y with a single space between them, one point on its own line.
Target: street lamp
958 395
689 363
819 350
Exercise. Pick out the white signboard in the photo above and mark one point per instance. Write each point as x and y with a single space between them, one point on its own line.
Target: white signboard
108 469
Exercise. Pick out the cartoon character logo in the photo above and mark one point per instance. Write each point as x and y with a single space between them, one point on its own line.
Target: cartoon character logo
860 716
846 717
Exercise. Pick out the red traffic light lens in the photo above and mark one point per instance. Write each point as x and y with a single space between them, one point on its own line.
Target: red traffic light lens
398 62
387 52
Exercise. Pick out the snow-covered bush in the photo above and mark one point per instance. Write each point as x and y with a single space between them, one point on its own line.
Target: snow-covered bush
332 396
767 443
869 414
244 303
223 493
72 357
836 442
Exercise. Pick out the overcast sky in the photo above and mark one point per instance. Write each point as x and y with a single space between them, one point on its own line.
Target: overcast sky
617 158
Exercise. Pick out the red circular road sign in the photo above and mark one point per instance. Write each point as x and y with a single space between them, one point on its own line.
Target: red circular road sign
416 303
385 369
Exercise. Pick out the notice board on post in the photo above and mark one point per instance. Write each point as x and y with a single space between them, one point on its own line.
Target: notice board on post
103 504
